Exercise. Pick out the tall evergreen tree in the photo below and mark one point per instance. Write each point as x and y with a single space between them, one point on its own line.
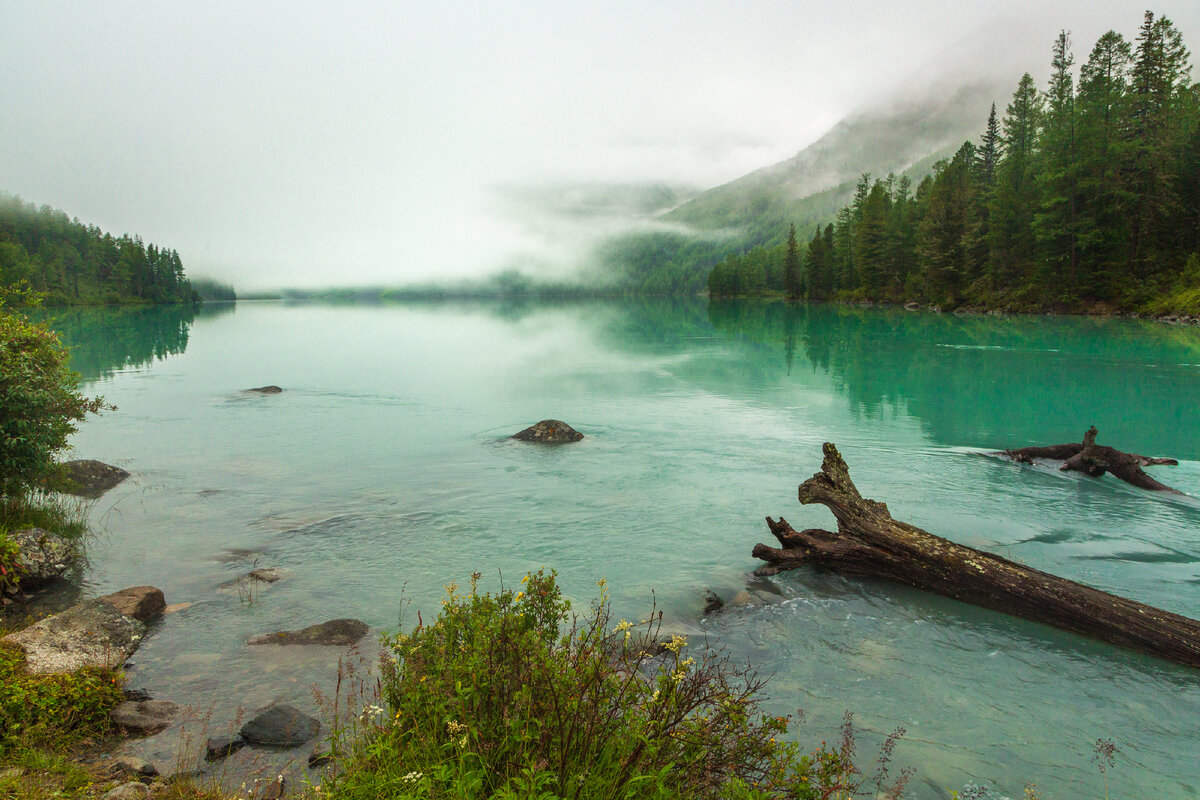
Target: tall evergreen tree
791 266
1055 220
1014 201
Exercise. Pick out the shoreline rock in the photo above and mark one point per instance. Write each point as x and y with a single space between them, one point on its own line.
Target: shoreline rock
42 557
90 634
145 717
88 478
142 603
549 431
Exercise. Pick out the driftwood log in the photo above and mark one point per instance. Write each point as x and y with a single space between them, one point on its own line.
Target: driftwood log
1094 460
869 542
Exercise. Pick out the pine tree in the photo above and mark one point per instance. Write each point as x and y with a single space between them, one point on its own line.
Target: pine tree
1054 222
791 266
1013 203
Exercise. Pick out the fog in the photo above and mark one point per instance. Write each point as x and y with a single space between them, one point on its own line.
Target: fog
310 144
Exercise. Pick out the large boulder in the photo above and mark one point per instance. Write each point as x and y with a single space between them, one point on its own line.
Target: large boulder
144 717
142 603
341 632
88 478
549 431
42 557
280 726
91 634
266 389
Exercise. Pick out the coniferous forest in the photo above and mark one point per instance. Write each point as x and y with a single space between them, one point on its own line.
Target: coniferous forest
1081 195
75 264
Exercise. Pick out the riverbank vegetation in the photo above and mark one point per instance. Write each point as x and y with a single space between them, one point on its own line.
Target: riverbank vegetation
1080 197
509 695
71 263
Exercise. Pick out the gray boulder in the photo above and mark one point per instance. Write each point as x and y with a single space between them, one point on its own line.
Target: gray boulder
142 603
42 557
280 726
341 632
91 634
549 431
128 791
266 389
144 717
87 478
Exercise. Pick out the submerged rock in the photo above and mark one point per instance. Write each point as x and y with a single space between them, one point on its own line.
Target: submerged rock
91 634
266 389
712 602
42 557
219 747
87 478
280 726
341 632
142 603
549 431
144 717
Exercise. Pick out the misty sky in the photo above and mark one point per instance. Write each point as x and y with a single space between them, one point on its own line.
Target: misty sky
301 144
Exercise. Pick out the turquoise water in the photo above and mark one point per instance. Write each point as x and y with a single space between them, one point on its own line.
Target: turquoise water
384 469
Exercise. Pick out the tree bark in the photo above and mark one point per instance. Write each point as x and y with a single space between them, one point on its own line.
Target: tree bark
869 542
1094 460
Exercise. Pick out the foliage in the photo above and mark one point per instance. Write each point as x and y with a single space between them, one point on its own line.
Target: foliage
77 264
60 706
509 696
39 400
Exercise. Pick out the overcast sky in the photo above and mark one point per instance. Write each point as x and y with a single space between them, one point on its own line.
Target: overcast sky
302 144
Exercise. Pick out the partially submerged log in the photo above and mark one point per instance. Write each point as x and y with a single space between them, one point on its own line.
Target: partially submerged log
1094 460
869 542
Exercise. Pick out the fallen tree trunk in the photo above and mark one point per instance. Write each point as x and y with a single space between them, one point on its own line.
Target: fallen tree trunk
1094 460
869 542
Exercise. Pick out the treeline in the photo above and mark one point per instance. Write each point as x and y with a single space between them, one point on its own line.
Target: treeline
1080 196
75 264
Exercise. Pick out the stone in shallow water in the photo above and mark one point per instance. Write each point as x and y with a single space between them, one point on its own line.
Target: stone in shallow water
219 747
549 431
266 389
280 726
341 632
145 717
88 478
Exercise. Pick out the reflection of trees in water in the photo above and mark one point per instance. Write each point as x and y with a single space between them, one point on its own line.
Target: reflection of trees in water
987 382
105 340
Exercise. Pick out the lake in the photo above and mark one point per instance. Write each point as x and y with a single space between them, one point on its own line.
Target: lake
383 472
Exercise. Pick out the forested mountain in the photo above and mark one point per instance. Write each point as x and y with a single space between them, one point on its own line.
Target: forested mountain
76 264
917 122
1081 194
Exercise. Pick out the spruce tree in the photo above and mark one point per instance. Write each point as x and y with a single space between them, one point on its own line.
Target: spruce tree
791 266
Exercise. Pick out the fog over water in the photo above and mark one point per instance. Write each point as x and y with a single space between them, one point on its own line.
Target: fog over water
309 144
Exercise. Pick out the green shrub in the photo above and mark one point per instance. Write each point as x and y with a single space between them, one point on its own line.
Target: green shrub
39 399
57 706
509 696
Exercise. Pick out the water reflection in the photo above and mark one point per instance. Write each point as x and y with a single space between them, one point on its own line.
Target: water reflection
107 340
988 382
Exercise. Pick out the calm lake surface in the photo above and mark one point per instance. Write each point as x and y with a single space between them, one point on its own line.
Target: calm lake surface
384 469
